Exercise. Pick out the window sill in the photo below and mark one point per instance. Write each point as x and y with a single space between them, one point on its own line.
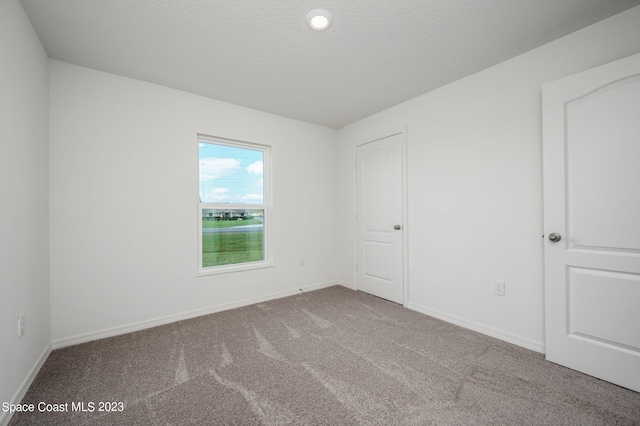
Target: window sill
215 270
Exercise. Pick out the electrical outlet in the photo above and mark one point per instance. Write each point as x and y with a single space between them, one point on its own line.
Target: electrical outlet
301 260
498 288
20 325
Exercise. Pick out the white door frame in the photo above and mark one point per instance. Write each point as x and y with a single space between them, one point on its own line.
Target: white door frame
405 216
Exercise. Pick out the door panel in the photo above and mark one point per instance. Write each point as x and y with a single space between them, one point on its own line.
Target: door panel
377 172
376 263
602 141
604 322
379 208
591 158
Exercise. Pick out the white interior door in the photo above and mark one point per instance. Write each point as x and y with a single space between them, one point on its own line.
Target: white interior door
379 218
592 221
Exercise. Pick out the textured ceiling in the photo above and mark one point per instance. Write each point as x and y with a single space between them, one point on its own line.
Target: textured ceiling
262 55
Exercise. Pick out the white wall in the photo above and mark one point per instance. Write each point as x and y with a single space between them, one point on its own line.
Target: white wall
124 191
475 183
24 198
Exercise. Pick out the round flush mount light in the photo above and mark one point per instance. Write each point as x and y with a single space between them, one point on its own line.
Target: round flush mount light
319 19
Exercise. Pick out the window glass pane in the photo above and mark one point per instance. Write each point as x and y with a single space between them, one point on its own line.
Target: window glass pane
232 236
230 174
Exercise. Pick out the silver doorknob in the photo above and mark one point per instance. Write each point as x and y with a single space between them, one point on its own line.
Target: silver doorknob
397 227
554 237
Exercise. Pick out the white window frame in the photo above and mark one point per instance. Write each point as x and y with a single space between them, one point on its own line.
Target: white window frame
265 206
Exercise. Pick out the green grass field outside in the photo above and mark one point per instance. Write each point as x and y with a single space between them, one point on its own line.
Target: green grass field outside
232 247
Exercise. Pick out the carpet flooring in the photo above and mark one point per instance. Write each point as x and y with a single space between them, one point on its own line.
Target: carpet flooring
327 357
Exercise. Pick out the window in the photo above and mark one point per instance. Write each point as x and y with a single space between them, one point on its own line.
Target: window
233 207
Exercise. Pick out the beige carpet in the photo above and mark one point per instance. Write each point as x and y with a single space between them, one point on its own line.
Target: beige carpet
329 357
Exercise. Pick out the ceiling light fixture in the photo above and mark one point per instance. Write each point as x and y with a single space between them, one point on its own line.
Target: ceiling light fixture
319 19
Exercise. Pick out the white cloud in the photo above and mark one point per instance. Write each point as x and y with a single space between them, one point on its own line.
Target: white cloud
217 195
253 198
213 167
255 168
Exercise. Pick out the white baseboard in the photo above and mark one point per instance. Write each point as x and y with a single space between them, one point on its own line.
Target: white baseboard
480 328
129 328
26 383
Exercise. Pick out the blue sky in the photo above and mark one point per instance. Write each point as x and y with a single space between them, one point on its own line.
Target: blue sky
230 175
